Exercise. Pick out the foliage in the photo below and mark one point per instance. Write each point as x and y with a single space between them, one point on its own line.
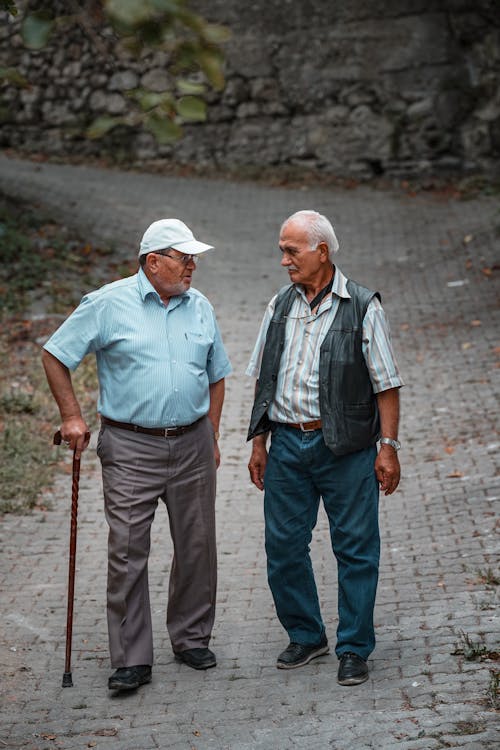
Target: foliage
34 252
489 577
474 650
191 44
28 419
17 465
494 689
9 6
36 255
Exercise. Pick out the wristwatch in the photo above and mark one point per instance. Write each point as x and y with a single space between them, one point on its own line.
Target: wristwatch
389 441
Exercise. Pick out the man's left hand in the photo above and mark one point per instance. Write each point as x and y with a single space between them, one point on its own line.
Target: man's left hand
387 469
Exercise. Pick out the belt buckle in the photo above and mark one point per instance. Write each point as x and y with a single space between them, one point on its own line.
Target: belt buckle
170 431
304 429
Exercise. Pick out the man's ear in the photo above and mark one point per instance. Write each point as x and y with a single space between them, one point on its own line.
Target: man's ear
152 262
323 251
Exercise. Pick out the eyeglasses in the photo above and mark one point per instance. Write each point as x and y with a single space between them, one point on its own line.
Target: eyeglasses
184 259
307 318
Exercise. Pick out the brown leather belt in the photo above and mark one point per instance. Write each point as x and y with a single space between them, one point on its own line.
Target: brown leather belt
157 431
305 426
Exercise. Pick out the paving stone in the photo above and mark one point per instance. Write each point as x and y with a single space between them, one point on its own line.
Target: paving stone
438 529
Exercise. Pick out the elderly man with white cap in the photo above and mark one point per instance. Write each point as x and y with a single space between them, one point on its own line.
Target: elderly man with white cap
161 366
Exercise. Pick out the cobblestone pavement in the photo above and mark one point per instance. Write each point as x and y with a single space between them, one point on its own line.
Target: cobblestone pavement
433 259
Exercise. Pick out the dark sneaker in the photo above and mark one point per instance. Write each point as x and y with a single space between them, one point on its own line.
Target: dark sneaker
296 654
130 678
197 658
353 670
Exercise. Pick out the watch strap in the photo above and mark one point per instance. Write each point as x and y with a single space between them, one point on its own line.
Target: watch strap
389 441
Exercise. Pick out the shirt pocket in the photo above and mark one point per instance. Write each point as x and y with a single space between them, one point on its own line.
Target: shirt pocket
198 346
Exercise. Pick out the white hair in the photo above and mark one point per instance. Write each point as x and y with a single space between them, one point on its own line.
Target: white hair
318 229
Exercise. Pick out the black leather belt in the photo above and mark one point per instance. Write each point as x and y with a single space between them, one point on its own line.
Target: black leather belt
157 431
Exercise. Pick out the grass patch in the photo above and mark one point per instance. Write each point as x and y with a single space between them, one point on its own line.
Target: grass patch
478 651
41 261
488 577
474 650
494 689
47 266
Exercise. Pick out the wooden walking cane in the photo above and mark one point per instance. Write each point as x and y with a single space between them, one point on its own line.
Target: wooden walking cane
67 680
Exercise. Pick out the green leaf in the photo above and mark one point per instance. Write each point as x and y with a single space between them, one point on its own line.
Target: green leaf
214 33
185 86
36 29
145 99
163 129
186 54
192 20
128 12
211 64
9 6
13 76
191 108
168 6
150 32
150 99
103 125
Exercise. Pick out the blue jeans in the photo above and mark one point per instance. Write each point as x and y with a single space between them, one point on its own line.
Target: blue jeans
300 470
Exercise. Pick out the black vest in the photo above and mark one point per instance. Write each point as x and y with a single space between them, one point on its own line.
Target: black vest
347 403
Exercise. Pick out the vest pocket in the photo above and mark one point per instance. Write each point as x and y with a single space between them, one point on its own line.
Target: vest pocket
357 422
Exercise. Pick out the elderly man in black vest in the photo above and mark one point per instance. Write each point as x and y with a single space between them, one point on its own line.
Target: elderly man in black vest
327 391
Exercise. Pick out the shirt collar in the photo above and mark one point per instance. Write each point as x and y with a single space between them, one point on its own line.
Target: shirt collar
146 289
144 286
339 286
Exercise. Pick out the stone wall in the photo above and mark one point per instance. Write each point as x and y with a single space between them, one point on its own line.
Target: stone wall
353 89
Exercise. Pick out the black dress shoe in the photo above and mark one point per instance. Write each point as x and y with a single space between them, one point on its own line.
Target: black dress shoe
353 670
130 678
296 654
198 658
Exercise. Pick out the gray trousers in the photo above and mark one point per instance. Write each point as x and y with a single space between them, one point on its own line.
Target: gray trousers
137 470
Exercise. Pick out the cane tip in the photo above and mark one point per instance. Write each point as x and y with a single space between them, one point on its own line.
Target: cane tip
67 680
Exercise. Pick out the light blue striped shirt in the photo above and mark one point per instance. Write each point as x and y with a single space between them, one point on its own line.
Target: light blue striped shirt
154 361
297 387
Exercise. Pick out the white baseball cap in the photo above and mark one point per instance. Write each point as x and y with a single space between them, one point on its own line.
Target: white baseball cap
173 233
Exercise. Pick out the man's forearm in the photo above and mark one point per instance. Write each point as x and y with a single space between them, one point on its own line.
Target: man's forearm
74 429
59 380
260 441
388 406
217 392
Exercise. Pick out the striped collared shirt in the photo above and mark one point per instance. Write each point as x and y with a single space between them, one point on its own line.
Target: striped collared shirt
297 389
154 361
